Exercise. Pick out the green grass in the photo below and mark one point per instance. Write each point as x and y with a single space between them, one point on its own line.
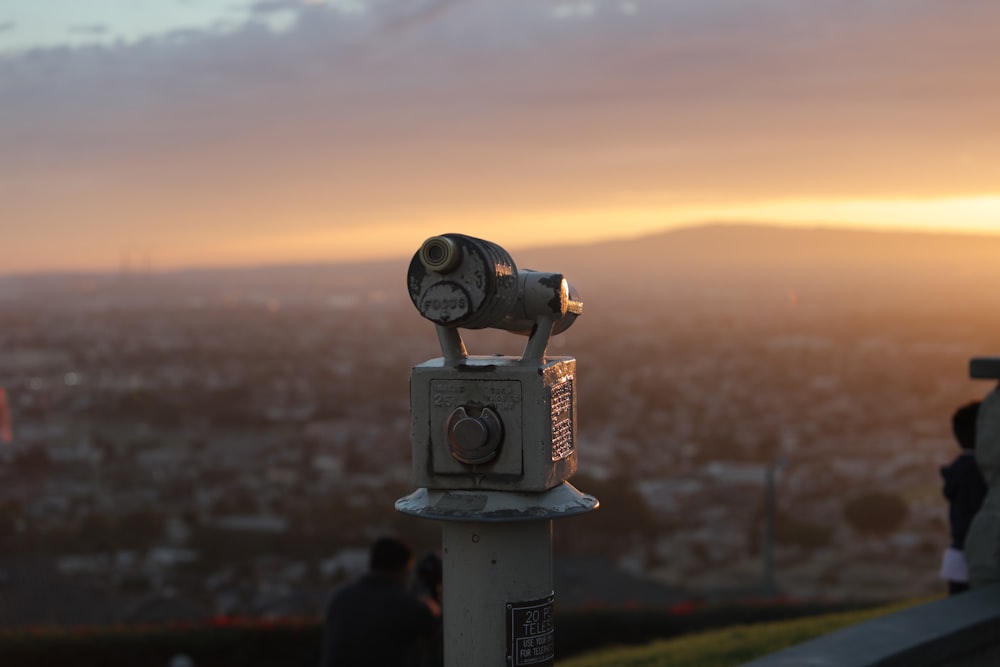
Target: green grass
226 642
729 647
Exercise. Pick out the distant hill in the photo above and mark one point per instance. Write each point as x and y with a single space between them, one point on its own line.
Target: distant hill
721 244
723 254
744 256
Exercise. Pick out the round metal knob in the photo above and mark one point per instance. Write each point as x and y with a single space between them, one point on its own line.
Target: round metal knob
473 438
470 433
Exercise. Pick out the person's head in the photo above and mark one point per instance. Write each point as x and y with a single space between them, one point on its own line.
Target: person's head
429 573
963 424
390 555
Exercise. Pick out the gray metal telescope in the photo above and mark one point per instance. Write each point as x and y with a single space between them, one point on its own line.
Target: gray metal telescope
494 443
458 281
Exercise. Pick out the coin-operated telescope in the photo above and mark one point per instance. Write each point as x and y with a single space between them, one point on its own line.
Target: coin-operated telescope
491 422
494 441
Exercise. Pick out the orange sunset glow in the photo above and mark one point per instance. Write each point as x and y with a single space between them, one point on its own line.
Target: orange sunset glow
280 278
336 131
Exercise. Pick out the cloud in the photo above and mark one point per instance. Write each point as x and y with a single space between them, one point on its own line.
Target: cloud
93 29
341 6
265 6
451 108
412 17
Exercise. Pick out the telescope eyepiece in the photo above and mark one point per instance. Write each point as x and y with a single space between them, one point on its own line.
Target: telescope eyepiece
440 254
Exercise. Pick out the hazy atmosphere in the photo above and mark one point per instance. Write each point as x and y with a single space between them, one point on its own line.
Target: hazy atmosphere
782 218
227 442
169 134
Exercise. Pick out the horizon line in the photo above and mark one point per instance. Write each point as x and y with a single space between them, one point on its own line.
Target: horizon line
805 227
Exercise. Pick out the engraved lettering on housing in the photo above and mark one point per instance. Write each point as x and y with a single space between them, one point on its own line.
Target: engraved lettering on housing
562 420
445 302
457 303
447 394
505 396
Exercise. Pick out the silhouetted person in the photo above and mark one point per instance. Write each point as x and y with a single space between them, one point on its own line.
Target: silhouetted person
427 581
375 621
965 488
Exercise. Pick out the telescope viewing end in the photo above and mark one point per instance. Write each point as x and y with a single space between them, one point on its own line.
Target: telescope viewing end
440 254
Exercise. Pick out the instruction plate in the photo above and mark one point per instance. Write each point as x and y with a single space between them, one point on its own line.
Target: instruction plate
530 633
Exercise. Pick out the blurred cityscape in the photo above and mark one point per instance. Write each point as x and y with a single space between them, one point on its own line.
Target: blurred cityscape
208 443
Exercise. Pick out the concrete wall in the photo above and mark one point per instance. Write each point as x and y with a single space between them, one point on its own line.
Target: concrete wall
959 631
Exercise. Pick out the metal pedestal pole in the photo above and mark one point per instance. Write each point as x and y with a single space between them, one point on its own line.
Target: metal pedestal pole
497 557
488 566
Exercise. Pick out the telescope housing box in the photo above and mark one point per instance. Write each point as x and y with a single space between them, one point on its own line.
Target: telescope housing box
493 423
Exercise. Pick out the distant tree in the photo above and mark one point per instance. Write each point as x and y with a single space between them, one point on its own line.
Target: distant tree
790 530
623 514
876 514
32 461
94 533
11 514
805 534
140 529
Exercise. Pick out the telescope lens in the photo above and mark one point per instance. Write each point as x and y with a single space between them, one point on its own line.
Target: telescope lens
439 254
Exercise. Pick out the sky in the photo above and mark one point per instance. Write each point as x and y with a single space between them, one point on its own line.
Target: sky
180 133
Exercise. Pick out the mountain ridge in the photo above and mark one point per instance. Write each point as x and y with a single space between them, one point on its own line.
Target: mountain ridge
706 245
757 242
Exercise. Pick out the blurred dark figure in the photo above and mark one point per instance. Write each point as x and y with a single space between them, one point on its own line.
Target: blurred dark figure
427 582
375 621
965 488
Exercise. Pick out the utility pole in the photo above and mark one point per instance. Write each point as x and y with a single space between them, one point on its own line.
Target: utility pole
770 585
